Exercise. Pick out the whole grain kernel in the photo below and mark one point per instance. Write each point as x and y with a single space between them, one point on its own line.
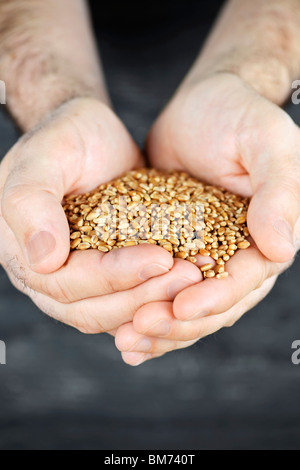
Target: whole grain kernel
83 246
232 247
223 275
206 267
243 245
169 209
103 248
181 254
130 243
86 228
75 243
167 246
219 269
210 273
241 220
75 235
204 252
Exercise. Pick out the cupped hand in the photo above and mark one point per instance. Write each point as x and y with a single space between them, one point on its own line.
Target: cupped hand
81 145
221 131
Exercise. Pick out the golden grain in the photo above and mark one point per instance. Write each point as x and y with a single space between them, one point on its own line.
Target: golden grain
168 209
206 267
222 275
243 245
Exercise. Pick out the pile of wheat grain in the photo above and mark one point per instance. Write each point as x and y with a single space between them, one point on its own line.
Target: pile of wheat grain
169 209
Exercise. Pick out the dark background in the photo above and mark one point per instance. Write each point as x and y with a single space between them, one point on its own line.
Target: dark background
236 389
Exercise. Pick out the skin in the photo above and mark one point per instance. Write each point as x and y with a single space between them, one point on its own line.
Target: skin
72 142
91 291
222 125
248 159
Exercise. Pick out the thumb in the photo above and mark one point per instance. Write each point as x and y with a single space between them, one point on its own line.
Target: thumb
273 214
31 206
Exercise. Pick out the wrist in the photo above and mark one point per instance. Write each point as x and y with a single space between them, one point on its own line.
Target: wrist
48 56
269 76
257 41
34 90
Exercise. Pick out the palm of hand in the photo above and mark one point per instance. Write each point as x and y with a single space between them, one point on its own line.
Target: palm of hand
223 132
79 147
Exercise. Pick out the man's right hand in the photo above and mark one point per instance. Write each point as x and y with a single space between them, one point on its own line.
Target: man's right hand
82 145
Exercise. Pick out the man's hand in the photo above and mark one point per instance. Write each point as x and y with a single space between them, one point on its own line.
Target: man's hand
49 57
219 128
223 132
81 145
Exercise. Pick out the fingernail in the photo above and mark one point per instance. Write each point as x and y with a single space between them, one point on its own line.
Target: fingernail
135 359
162 328
39 247
195 316
152 270
143 345
177 286
284 229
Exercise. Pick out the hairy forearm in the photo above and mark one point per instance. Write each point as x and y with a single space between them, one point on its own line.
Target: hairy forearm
47 56
258 40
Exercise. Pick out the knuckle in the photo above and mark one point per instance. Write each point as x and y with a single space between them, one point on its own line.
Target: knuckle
270 270
48 309
131 302
86 323
262 275
200 332
12 192
291 183
13 197
265 288
99 263
281 267
86 329
134 303
231 322
109 284
7 201
57 290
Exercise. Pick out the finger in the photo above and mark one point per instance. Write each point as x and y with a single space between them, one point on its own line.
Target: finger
145 321
272 216
101 314
137 348
55 160
248 269
136 359
157 320
31 206
128 340
275 177
92 273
